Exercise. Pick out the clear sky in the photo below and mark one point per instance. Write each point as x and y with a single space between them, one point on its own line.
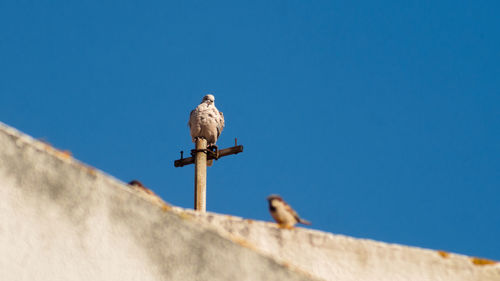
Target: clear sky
374 119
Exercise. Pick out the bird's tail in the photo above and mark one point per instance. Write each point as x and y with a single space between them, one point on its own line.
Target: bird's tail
210 162
303 221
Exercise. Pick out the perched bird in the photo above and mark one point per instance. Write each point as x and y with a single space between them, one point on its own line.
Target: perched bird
282 213
205 121
138 184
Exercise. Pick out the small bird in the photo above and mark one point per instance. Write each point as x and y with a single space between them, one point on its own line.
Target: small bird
282 213
205 121
138 184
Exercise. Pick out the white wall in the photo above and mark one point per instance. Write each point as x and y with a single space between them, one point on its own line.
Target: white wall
63 220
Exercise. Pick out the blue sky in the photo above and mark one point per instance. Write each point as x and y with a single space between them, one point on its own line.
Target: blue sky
376 120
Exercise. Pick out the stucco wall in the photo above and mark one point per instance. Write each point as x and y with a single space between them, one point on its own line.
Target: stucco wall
63 220
339 257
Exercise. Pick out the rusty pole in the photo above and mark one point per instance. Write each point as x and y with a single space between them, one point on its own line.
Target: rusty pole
200 175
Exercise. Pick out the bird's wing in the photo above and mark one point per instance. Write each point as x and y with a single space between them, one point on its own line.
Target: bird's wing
296 216
190 124
220 124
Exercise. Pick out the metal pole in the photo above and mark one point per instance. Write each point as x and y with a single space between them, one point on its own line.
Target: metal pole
200 176
222 153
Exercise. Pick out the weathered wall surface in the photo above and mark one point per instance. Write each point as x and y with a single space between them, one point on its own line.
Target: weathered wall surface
63 220
338 257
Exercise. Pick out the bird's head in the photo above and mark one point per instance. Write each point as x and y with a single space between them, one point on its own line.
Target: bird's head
273 197
210 99
273 200
136 183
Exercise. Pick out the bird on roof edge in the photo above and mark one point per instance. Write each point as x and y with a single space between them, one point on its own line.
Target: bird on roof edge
282 213
205 121
139 184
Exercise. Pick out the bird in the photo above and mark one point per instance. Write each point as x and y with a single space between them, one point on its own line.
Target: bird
138 184
205 121
282 213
